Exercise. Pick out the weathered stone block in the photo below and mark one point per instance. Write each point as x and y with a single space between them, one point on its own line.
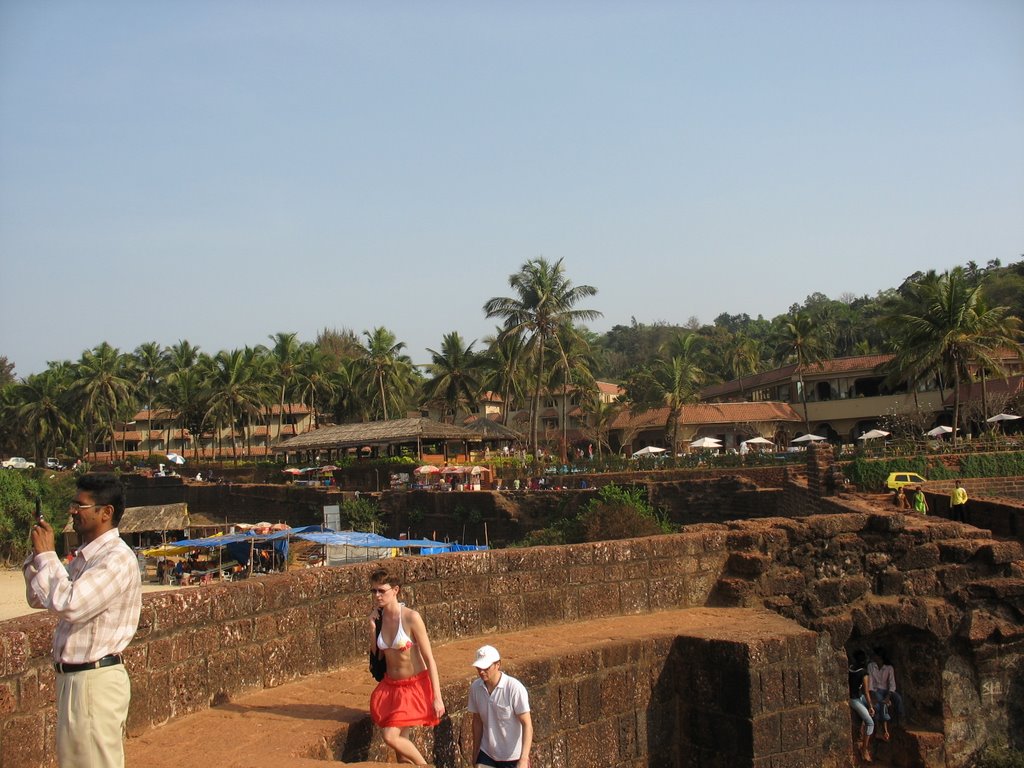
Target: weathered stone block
749 564
22 740
922 556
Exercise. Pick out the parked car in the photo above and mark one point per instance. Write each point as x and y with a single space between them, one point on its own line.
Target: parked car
17 462
52 463
899 479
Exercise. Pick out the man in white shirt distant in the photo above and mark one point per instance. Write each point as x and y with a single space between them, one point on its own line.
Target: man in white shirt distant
98 600
502 728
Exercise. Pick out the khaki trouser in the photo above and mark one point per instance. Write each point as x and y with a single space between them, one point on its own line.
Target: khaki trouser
92 707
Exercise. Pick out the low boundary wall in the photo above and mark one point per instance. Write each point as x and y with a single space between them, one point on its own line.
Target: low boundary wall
844 576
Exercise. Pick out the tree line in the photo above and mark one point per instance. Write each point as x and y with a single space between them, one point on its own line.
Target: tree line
949 327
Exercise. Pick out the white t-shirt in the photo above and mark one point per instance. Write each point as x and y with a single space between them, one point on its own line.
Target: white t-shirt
503 733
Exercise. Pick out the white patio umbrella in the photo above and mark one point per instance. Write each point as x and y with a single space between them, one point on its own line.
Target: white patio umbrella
175 458
426 469
649 450
873 434
1002 417
939 431
706 442
807 438
759 441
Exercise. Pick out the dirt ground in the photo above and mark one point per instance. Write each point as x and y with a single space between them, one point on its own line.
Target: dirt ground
12 594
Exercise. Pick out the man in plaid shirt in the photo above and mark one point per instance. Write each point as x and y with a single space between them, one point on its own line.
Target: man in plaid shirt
98 600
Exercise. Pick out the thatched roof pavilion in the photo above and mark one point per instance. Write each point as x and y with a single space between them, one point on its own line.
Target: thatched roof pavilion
375 434
491 430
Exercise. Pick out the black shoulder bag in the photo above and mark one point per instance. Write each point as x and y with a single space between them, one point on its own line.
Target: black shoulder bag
378 664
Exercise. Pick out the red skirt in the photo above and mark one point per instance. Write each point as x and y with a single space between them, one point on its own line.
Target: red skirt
403 703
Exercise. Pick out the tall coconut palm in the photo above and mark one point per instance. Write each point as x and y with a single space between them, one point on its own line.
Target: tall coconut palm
599 416
284 357
741 357
184 394
42 410
799 340
386 375
455 375
503 371
672 381
545 301
149 367
103 390
234 396
182 355
317 379
573 375
952 331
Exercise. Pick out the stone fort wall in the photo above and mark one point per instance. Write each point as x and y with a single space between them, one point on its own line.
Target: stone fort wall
948 599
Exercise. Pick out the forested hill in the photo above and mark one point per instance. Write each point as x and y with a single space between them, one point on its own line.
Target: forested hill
848 325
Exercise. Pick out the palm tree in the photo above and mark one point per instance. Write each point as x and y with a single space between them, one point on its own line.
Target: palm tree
234 396
741 356
503 371
42 410
284 357
150 366
950 330
182 356
799 340
184 394
573 375
455 380
599 417
671 381
386 375
317 379
102 389
545 301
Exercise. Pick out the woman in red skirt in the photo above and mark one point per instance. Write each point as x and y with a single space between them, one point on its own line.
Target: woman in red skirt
410 693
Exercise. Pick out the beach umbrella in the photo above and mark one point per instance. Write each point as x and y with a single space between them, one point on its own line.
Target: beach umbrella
807 439
175 458
759 441
649 450
706 442
939 431
1002 417
329 468
873 434
292 471
426 469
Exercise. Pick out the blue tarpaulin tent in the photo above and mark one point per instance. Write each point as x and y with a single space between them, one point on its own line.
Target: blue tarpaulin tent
239 545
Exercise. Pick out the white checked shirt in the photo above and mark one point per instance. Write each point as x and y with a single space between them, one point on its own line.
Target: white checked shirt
98 602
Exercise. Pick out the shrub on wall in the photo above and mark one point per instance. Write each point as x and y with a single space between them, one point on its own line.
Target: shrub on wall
999 757
992 465
361 514
616 512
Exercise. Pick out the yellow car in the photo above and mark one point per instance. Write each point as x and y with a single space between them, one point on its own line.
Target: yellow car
899 479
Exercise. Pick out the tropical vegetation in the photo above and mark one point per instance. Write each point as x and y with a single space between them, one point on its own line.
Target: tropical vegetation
947 329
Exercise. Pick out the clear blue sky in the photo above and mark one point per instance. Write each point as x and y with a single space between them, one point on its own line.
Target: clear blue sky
218 171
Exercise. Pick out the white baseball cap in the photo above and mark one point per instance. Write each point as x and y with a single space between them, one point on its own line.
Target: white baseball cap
486 656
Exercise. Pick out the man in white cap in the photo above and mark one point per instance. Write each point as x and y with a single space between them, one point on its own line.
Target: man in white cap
502 728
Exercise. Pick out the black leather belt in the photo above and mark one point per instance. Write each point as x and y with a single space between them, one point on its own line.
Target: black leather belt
106 661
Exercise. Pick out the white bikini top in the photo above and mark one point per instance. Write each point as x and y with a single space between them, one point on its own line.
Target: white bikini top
401 641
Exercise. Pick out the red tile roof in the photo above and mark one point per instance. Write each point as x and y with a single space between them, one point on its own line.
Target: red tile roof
1008 386
607 388
835 366
711 413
